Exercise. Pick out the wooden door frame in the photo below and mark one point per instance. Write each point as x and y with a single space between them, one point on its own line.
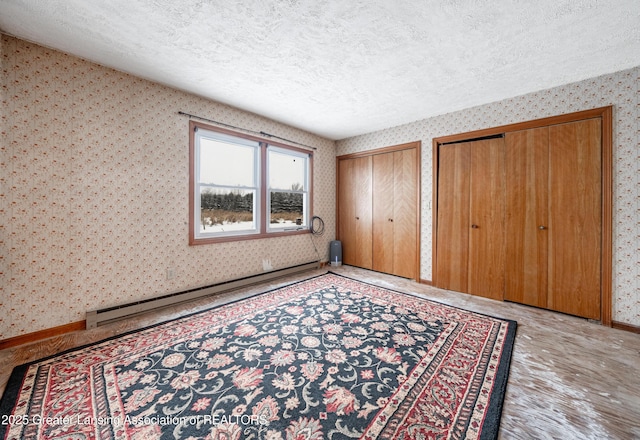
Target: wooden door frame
606 116
417 145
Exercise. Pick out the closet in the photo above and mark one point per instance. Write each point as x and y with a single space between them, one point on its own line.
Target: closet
377 209
523 213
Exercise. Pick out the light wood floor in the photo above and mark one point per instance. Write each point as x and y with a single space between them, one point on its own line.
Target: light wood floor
569 378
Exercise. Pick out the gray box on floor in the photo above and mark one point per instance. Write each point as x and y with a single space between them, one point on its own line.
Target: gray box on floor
335 253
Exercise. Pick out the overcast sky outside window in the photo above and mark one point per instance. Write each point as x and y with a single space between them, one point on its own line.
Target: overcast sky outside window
231 164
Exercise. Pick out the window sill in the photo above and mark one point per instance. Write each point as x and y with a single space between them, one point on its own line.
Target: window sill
212 240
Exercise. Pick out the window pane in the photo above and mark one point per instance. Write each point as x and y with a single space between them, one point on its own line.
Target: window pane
287 171
223 163
287 210
227 210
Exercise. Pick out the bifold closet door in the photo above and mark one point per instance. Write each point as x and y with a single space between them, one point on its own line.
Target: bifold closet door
452 264
487 209
554 214
575 218
355 177
470 231
395 213
406 221
383 213
527 216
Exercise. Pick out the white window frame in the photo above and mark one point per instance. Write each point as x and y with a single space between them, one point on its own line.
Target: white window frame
262 203
305 191
201 133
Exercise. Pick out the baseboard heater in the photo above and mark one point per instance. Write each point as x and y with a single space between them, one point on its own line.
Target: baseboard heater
110 314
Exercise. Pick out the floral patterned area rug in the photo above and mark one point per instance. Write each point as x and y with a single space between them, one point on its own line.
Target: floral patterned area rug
325 358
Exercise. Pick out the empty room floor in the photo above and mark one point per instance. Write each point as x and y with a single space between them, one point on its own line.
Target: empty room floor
569 378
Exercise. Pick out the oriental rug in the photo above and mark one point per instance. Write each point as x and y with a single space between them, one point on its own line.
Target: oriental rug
325 358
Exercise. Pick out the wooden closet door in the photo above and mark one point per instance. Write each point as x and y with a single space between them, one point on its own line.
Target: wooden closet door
355 207
527 216
395 209
405 219
347 210
486 218
452 236
378 209
575 222
383 213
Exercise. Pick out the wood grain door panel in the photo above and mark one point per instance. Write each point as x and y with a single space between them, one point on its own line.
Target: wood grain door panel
453 217
347 210
527 216
575 218
383 212
486 218
405 213
364 212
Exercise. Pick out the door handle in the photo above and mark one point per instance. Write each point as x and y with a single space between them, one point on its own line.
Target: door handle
542 228
475 227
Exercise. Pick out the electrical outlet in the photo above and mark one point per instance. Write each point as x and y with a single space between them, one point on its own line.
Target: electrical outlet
266 265
171 273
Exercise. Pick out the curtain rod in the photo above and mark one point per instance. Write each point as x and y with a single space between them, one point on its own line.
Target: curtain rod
261 133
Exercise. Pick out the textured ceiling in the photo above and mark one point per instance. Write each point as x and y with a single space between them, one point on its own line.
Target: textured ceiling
340 68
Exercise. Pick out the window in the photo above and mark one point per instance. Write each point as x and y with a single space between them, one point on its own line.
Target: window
244 187
288 179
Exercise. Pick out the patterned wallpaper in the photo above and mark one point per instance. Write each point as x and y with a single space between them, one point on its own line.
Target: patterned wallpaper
94 185
94 191
621 89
